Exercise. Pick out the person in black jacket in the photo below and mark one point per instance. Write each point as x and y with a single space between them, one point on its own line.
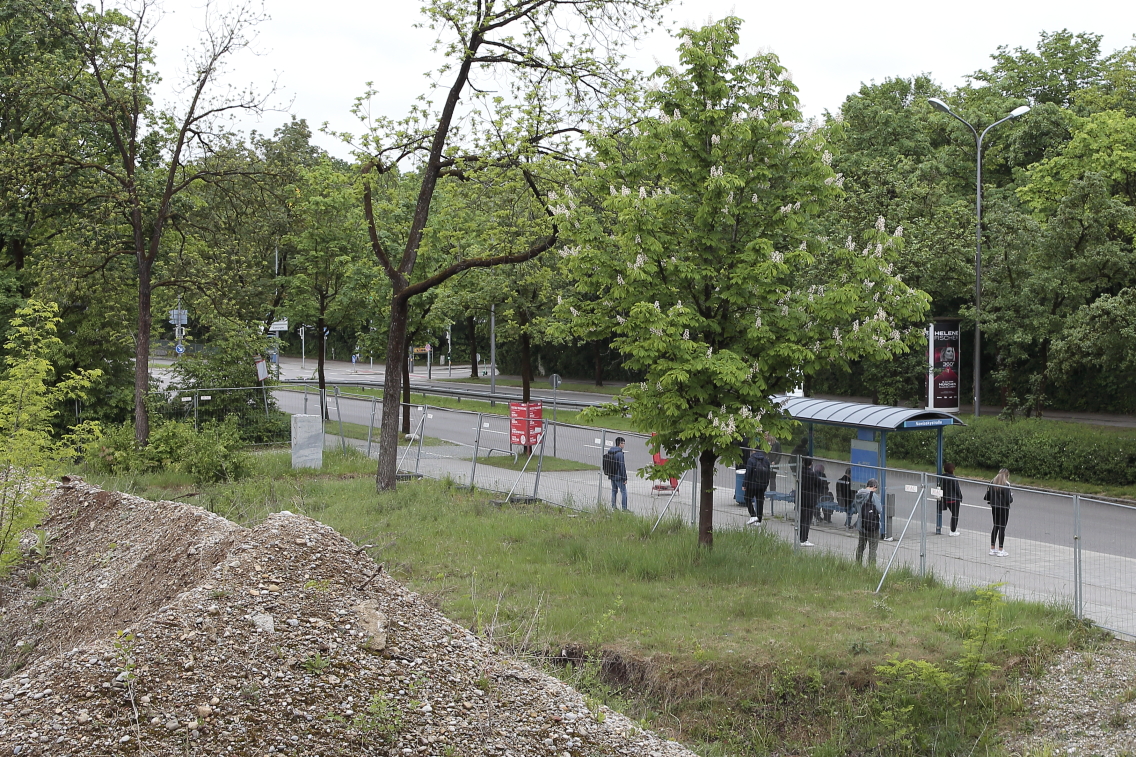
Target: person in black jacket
809 491
844 495
999 496
952 495
754 484
618 474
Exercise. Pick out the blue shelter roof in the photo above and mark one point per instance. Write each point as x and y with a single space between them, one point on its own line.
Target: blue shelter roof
860 415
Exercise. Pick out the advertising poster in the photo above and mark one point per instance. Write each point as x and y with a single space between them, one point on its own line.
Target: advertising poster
944 358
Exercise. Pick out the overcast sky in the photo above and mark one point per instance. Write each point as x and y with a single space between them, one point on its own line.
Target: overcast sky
323 53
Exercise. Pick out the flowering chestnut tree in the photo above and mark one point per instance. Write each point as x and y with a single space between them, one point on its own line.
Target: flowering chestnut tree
702 256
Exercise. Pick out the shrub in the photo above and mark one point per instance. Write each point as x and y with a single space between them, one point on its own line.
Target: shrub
29 396
213 454
1032 447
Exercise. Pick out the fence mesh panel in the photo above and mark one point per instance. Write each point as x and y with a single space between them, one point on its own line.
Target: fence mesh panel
1095 574
258 417
1108 564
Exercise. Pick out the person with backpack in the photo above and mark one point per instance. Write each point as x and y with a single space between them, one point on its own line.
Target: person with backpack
615 468
844 496
754 484
952 496
999 496
868 505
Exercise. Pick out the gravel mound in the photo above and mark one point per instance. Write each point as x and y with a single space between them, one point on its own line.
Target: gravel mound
1085 704
167 630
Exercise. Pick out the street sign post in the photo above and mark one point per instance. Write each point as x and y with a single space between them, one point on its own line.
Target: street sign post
554 379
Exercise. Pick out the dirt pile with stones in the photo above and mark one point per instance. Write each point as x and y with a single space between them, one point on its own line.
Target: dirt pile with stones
158 628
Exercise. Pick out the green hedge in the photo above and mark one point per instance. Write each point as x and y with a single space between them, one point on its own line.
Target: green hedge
1034 448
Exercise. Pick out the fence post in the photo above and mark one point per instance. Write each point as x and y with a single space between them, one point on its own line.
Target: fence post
264 388
305 399
797 507
1078 578
696 481
476 446
339 415
421 432
196 426
599 484
370 426
923 524
539 463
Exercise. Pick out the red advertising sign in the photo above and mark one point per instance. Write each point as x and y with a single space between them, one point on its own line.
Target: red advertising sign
526 423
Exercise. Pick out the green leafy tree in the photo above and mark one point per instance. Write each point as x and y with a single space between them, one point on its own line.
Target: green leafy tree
146 158
1062 64
329 264
707 258
554 80
29 398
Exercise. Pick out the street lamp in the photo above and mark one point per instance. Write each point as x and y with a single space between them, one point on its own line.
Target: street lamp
938 104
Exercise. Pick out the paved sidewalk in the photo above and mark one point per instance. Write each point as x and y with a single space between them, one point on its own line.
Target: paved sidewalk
1036 571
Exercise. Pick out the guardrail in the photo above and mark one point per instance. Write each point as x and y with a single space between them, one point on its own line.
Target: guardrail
442 392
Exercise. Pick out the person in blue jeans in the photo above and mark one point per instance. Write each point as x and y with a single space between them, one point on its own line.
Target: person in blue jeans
619 476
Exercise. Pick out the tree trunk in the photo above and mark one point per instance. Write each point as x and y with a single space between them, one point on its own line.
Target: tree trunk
385 476
472 325
142 353
598 363
706 499
321 355
526 357
406 389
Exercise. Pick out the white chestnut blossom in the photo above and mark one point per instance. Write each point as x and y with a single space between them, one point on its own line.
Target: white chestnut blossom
826 158
880 223
715 139
625 191
686 334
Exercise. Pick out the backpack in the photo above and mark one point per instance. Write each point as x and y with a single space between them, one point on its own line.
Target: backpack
757 473
869 514
610 463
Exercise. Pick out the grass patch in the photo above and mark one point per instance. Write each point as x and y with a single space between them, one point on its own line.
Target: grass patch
359 431
565 386
748 649
610 422
548 464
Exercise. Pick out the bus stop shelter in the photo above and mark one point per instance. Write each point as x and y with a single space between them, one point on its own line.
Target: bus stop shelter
868 420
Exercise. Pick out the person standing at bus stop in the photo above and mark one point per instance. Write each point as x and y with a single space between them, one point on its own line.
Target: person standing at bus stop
615 468
999 496
952 496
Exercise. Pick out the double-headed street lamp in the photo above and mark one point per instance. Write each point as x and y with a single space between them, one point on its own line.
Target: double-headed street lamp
1019 111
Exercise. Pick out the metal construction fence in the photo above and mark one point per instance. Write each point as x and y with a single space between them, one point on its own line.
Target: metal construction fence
1062 549
253 408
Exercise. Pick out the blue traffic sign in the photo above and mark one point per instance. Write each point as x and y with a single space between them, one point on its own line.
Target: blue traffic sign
179 349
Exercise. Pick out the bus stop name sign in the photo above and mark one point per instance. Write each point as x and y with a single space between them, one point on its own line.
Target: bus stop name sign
929 422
